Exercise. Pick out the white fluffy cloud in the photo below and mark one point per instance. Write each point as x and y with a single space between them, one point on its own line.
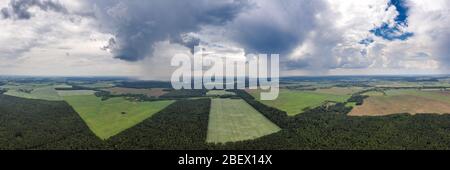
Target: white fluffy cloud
351 21
313 37
53 43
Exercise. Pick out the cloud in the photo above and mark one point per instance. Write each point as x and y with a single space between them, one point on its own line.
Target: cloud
343 39
430 24
275 26
138 25
19 9
312 37
40 45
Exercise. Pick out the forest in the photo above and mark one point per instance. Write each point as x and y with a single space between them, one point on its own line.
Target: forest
39 124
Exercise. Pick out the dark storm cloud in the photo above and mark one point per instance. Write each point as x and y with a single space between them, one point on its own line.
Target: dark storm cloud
277 26
19 9
187 41
138 24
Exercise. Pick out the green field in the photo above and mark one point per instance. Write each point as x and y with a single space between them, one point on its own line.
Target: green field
75 92
339 90
34 92
374 93
296 101
219 93
62 86
110 117
235 120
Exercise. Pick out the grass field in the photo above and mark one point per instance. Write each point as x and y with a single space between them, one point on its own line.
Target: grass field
374 93
98 85
75 92
34 92
295 101
405 101
154 92
110 117
235 120
339 90
219 93
62 86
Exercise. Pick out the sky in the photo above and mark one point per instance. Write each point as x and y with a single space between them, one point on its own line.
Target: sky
139 37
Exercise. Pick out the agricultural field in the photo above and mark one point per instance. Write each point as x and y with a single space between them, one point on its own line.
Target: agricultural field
97 85
219 93
75 92
43 92
410 101
233 120
339 90
110 117
153 92
62 86
403 84
374 93
295 101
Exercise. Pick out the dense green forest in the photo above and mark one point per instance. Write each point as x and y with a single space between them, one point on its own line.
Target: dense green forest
171 95
184 93
144 84
38 124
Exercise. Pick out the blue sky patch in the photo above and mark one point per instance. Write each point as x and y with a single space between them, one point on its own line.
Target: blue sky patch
402 10
366 41
395 32
391 33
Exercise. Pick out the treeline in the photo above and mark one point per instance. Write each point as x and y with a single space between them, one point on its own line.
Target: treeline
75 87
184 93
354 84
105 95
301 87
171 95
357 98
144 84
